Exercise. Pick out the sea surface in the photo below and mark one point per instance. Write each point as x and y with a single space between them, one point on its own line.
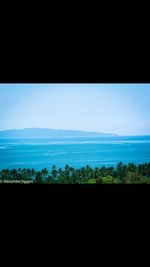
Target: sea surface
76 152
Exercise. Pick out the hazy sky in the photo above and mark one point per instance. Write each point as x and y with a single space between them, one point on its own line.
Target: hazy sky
116 108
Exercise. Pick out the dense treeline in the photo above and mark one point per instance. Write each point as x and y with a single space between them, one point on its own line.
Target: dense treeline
129 173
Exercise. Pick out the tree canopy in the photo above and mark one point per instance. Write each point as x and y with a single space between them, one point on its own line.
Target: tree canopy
125 174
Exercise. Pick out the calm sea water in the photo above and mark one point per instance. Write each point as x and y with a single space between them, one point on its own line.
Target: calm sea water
77 152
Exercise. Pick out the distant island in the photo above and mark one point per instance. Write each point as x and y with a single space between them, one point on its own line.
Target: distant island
49 133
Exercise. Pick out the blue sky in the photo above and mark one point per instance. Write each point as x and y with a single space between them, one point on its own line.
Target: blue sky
112 108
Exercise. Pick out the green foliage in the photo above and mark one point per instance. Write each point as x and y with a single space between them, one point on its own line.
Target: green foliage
122 174
107 179
92 181
133 178
38 178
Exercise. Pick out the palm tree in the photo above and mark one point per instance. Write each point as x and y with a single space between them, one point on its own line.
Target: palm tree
33 172
60 172
131 167
28 174
54 172
38 177
67 170
103 171
14 174
4 175
121 171
44 173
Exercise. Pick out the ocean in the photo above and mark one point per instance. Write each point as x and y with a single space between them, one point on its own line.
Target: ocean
76 152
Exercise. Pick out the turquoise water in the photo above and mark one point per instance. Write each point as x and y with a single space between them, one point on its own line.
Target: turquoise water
77 152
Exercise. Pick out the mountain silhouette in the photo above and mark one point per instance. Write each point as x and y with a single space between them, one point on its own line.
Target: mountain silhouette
49 133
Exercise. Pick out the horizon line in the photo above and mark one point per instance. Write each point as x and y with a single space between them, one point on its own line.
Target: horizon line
11 129
57 129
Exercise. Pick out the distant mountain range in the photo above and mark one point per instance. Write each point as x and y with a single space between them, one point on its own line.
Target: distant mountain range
49 133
